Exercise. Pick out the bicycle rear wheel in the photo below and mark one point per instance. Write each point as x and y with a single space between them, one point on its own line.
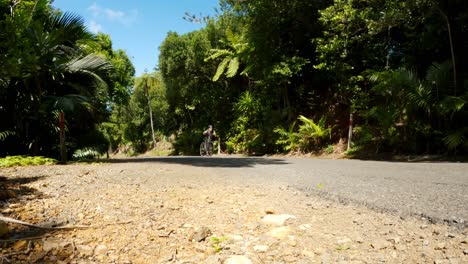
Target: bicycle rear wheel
209 150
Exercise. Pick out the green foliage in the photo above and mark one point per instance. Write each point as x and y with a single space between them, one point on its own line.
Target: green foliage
248 134
11 161
309 137
287 139
86 154
5 134
329 149
51 63
455 139
216 243
188 142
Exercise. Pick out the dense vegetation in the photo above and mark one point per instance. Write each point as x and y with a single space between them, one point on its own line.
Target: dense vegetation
260 66
271 76
50 63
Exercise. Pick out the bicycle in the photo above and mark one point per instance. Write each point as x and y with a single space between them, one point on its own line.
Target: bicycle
206 147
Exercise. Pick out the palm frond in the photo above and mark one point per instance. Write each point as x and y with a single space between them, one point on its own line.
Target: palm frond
452 104
221 67
67 102
89 62
422 96
232 67
216 53
70 25
438 74
454 139
5 134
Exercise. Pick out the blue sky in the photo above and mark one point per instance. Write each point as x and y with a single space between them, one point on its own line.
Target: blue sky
138 26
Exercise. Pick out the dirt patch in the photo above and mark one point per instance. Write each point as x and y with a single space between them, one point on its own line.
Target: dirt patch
161 213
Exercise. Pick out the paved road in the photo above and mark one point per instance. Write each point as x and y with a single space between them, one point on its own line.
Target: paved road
437 191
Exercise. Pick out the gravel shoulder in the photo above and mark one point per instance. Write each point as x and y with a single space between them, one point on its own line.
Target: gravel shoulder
223 210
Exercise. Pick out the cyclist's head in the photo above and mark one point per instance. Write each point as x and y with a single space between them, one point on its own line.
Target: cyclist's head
210 126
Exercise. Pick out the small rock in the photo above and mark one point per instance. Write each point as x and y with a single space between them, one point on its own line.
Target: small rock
238 260
380 244
3 229
85 250
269 211
440 246
7 211
292 242
234 237
277 220
424 226
200 234
465 251
305 227
261 248
214 259
20 244
450 235
400 247
100 250
49 245
394 240
426 243
343 241
290 259
280 232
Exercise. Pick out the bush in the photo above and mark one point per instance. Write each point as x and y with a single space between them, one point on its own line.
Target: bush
310 136
11 161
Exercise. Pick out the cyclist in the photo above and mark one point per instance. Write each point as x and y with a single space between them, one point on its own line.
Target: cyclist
206 147
210 133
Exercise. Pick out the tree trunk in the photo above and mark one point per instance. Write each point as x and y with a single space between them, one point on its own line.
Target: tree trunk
150 113
451 51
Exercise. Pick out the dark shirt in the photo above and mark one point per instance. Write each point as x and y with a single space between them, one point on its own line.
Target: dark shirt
209 134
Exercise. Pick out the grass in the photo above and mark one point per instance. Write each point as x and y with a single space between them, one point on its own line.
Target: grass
216 243
11 161
329 149
342 247
160 152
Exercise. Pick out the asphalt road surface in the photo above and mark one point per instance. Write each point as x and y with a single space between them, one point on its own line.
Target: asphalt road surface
437 191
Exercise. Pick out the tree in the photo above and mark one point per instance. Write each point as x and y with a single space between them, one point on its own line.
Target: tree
46 70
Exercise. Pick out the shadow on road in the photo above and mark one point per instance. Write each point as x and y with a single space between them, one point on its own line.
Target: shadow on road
229 162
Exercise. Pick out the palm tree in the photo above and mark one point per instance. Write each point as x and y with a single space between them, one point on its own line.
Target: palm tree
57 75
149 81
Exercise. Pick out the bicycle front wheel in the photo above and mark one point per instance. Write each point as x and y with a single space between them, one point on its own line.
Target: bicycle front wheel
202 149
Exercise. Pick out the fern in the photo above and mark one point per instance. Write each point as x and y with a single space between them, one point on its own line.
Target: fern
87 153
5 134
422 97
455 139
288 139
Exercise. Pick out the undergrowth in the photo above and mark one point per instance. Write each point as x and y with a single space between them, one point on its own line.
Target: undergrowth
11 161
